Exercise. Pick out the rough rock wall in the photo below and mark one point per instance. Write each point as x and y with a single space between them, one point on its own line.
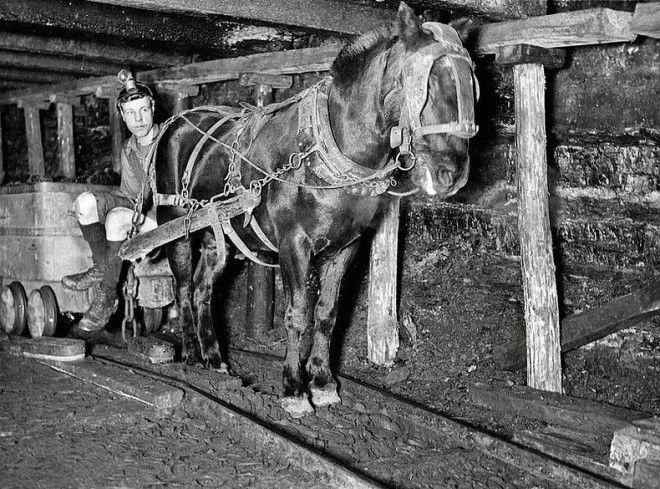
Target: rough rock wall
604 165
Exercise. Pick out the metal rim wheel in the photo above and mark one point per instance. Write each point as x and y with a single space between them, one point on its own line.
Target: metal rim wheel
42 312
152 318
13 308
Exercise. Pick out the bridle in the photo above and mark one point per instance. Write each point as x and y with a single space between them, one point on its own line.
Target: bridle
414 81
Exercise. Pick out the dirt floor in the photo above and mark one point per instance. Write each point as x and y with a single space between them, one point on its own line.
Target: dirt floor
456 303
56 433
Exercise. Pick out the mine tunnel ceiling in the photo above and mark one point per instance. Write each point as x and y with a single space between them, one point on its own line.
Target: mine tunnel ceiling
55 41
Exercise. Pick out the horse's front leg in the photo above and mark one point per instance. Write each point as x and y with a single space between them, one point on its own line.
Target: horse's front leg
179 255
297 281
331 272
209 268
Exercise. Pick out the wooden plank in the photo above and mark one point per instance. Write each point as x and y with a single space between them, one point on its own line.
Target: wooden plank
131 385
581 27
65 140
34 144
526 53
45 348
328 15
281 62
44 62
273 81
646 19
639 441
90 50
538 268
274 63
382 322
569 452
572 412
592 324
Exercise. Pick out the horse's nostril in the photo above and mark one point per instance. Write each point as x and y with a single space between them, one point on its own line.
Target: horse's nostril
445 178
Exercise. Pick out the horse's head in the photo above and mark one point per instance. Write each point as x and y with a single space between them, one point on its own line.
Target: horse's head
436 88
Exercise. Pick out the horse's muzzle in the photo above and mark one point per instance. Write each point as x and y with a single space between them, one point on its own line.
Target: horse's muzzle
442 180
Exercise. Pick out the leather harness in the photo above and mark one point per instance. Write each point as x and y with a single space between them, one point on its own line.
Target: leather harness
318 147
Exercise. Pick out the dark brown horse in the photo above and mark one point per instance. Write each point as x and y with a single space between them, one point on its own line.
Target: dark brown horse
318 165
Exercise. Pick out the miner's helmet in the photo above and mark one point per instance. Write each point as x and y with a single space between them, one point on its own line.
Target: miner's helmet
132 89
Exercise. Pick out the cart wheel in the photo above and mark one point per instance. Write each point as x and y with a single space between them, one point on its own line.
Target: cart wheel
152 318
13 308
42 312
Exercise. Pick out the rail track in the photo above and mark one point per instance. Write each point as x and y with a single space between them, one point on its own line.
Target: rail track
372 439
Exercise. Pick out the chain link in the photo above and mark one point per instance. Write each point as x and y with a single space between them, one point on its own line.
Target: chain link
129 292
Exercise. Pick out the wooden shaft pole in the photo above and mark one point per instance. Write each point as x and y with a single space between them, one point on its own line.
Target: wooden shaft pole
538 268
65 140
382 323
117 131
34 144
260 297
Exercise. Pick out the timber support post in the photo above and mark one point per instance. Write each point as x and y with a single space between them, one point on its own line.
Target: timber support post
2 156
176 97
65 142
36 165
116 132
382 321
260 296
538 267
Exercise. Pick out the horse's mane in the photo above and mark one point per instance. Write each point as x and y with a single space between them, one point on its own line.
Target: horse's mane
352 58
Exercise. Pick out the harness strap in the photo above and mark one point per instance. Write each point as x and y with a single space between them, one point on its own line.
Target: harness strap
216 225
262 236
463 129
238 242
198 147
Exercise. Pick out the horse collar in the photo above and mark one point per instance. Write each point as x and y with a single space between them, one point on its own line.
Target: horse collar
333 166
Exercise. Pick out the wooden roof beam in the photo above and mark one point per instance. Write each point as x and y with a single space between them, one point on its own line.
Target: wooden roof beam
131 25
581 27
90 50
42 62
560 30
646 20
280 62
33 76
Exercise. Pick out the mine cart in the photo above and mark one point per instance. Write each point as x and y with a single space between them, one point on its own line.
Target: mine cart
41 242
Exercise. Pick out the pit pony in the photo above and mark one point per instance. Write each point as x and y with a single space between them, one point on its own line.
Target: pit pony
309 176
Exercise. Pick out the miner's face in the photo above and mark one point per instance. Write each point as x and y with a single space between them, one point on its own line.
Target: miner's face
138 115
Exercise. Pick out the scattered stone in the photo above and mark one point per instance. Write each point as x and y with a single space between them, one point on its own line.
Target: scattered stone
396 376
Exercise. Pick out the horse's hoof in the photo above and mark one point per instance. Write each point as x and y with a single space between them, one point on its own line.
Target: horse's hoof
325 396
221 369
297 407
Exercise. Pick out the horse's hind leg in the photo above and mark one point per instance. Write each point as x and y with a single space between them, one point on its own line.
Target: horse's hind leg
331 272
209 268
179 255
294 262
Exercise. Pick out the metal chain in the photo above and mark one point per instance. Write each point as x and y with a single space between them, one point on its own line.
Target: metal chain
129 292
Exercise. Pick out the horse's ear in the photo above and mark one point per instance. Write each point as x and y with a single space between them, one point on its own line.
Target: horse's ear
465 27
409 24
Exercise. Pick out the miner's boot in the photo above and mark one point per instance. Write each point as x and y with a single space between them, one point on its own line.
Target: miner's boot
94 234
104 297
